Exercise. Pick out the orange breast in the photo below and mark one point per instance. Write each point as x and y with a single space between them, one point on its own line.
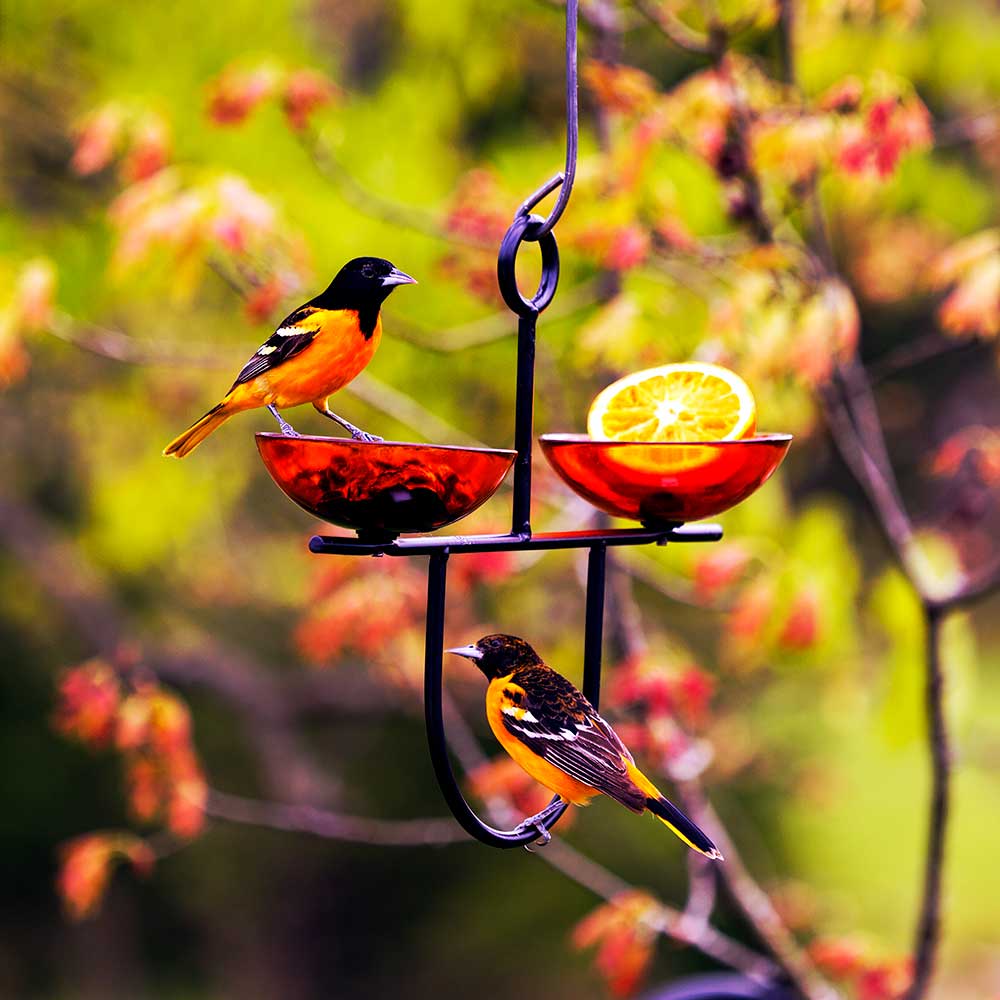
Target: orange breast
338 354
537 767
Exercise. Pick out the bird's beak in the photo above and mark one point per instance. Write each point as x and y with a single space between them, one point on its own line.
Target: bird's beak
397 277
469 652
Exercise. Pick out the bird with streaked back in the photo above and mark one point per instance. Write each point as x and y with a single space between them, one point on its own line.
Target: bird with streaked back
315 351
554 733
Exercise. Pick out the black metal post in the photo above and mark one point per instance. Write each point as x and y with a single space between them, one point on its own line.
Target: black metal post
594 635
523 424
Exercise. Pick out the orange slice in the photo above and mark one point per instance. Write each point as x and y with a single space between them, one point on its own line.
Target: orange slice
683 402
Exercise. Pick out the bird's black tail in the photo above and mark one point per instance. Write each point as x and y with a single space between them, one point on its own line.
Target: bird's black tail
692 834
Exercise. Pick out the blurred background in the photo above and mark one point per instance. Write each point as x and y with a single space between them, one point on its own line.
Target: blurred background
804 192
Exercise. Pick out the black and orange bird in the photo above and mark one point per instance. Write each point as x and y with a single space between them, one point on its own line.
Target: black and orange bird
314 352
555 734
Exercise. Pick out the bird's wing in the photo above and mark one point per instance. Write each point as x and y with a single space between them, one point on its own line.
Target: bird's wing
553 719
295 333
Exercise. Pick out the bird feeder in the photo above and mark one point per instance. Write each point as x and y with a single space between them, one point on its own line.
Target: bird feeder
384 490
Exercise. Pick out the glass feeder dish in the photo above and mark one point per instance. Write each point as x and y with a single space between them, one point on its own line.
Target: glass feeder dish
383 488
664 481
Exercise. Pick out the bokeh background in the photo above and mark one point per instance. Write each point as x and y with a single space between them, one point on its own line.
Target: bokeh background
809 199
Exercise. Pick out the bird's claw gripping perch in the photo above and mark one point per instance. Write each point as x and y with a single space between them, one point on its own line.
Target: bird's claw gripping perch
356 432
537 823
543 836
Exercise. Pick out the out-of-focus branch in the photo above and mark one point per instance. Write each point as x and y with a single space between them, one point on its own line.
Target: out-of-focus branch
117 346
496 326
408 411
918 351
929 922
377 206
663 18
296 818
754 903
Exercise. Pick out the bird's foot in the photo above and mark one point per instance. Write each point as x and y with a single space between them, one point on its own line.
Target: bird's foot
286 428
359 435
543 835
537 823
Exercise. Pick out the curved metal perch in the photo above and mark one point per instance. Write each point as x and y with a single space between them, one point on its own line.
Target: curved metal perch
437 582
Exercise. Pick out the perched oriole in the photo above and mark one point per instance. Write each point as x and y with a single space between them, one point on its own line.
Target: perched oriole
315 351
556 735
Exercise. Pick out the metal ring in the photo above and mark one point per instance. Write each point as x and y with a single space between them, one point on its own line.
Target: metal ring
527 228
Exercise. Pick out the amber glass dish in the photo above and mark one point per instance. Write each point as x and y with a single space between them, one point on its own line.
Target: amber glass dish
668 482
386 488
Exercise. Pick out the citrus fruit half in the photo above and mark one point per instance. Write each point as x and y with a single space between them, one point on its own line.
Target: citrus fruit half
692 401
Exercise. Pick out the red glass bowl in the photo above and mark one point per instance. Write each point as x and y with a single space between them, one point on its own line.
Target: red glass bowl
383 488
664 482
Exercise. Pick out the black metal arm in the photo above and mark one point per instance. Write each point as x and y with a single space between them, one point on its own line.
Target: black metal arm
433 714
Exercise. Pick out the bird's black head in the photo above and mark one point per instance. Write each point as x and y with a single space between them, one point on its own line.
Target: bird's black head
497 655
363 284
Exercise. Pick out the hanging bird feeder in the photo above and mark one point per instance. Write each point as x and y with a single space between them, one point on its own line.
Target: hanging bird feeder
383 490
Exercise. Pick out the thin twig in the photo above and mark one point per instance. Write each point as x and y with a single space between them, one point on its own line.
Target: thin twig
928 931
662 17
300 818
377 206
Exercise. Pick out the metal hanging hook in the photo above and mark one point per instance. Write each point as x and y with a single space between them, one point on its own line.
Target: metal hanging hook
565 177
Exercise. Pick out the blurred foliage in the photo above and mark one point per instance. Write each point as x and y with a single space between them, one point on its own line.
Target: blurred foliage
175 178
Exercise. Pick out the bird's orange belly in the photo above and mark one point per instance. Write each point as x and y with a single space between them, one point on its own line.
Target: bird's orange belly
329 363
537 767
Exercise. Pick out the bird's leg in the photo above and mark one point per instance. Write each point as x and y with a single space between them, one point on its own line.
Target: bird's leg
356 432
286 428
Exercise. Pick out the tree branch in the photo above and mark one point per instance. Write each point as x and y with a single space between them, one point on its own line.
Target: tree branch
928 931
377 206
301 818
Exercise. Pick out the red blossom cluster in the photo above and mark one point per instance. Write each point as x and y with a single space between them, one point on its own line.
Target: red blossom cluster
361 607
891 127
30 310
757 620
620 89
978 445
651 688
86 864
151 728
221 216
89 696
138 137
238 91
719 568
479 211
848 961
474 568
615 247
971 269
375 608
624 933
164 776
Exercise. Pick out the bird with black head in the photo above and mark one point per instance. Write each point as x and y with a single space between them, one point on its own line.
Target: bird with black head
554 733
315 351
